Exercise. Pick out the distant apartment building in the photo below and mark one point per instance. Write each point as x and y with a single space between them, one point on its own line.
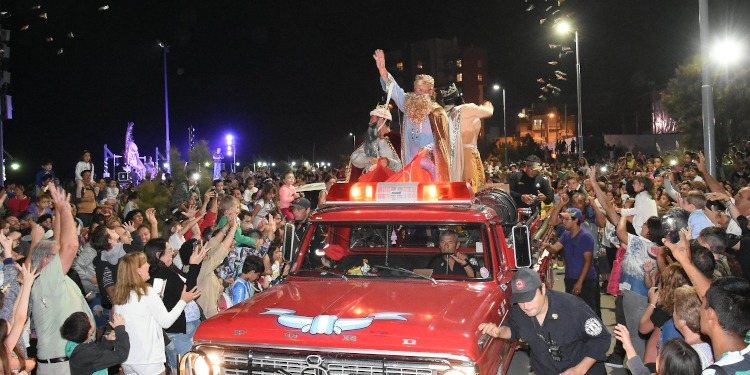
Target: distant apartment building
546 125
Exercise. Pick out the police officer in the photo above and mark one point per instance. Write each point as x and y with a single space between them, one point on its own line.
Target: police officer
563 333
527 185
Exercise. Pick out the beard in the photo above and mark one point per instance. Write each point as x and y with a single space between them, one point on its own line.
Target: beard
371 136
417 106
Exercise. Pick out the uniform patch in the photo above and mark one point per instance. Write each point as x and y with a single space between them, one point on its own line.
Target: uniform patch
592 327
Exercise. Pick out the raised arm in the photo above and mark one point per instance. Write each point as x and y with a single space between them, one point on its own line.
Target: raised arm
10 273
67 235
22 306
482 111
151 217
609 209
554 213
681 252
398 94
713 184
379 57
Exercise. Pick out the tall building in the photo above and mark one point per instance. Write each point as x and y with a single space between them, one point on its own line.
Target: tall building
446 61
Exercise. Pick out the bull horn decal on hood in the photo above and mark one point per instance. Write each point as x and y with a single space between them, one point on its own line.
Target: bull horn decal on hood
328 324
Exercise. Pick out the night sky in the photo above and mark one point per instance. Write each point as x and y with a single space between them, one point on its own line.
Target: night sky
287 76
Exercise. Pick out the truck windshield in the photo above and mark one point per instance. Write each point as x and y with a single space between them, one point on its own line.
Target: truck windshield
407 250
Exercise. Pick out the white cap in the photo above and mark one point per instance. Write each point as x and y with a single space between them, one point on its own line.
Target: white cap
381 111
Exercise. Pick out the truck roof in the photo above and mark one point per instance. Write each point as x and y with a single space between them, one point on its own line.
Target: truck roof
405 212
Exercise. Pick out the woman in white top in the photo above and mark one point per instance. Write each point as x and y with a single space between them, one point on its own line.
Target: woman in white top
84 164
145 315
645 205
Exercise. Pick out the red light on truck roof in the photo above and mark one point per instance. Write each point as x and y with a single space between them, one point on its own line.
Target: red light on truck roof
400 192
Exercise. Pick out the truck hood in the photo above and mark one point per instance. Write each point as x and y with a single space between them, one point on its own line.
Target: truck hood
387 315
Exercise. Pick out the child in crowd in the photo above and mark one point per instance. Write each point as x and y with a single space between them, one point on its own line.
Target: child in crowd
287 193
278 267
246 284
87 356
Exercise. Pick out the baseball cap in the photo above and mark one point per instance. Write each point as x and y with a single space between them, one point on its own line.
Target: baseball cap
573 213
302 203
524 285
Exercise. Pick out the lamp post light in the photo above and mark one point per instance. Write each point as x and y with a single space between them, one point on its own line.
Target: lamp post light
165 50
564 27
354 140
231 151
726 53
497 88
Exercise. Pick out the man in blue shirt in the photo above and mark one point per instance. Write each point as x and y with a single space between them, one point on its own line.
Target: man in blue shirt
577 245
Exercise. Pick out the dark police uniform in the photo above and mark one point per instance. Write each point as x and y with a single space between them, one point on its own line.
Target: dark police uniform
570 332
520 183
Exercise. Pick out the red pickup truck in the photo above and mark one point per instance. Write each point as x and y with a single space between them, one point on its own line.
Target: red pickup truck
368 292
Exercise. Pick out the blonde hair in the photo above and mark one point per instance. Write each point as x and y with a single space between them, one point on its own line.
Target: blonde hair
672 278
128 278
687 306
228 202
417 107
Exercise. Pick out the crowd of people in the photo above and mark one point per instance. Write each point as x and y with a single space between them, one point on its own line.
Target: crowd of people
671 244
108 283
93 281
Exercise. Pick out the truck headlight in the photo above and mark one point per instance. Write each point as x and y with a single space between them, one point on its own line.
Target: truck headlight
200 363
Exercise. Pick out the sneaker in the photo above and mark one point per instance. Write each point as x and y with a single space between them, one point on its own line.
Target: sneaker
614 360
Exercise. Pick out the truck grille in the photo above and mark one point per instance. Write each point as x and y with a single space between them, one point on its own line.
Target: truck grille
269 364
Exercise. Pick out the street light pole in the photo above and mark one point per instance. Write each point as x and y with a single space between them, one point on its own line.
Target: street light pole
578 94
165 51
707 90
354 140
505 131
496 87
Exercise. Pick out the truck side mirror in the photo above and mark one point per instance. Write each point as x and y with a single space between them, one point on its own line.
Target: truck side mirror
290 242
522 246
